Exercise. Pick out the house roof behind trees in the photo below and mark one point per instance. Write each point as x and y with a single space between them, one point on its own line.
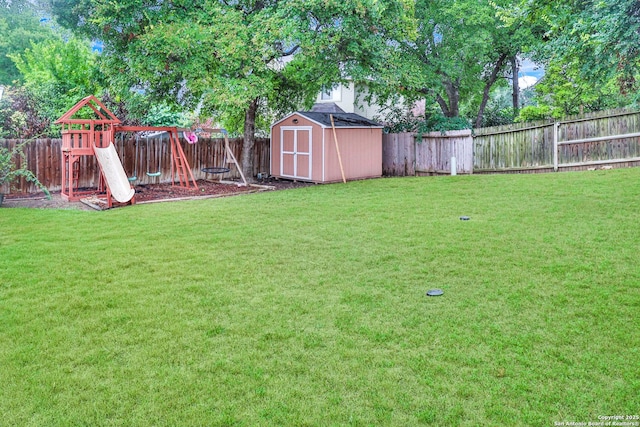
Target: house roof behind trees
326 107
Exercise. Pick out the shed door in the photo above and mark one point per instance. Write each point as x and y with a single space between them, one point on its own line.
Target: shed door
295 152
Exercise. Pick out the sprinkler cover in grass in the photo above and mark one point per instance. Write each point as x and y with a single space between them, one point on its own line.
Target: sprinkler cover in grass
435 292
465 218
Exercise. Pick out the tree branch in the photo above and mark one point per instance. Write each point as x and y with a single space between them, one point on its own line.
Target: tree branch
443 105
487 87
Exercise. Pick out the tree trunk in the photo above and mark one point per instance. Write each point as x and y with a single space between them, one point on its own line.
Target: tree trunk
451 106
443 105
515 95
487 88
249 140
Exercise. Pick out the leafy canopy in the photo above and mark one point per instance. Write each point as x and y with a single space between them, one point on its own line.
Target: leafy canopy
598 40
459 52
221 56
19 27
57 72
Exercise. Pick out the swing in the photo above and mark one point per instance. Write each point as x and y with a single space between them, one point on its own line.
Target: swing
135 164
158 171
220 169
232 159
191 137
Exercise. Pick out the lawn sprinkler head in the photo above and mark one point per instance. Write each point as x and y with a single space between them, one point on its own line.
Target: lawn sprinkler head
434 292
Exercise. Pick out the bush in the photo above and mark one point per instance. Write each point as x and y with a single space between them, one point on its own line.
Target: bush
20 116
435 122
497 117
542 112
10 171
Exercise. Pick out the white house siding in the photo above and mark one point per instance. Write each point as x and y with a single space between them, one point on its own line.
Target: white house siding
343 96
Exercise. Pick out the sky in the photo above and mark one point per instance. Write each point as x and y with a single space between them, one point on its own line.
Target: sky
529 74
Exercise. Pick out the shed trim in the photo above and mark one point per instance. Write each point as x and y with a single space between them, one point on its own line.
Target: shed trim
324 164
325 126
295 129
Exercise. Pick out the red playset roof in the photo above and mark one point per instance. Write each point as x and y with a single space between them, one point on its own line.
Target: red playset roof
105 116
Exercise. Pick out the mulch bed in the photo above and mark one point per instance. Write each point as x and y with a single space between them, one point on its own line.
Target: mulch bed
154 192
150 193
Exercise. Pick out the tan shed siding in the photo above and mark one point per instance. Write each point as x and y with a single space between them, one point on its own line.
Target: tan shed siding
285 148
361 152
360 149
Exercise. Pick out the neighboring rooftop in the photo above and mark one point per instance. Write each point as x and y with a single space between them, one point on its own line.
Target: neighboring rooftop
326 107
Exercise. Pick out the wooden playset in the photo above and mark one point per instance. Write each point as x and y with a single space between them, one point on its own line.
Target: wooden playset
82 138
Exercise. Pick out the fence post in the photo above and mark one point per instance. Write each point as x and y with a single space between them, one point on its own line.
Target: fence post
556 127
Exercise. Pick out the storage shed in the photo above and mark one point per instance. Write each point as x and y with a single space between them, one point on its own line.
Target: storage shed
303 147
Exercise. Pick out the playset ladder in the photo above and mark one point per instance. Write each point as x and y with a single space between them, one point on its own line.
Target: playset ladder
70 177
75 173
179 166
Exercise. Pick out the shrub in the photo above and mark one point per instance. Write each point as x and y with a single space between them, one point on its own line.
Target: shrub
13 165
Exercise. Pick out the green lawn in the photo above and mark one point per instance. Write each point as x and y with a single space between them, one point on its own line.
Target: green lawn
308 306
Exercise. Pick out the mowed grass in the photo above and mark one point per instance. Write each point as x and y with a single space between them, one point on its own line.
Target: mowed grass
308 307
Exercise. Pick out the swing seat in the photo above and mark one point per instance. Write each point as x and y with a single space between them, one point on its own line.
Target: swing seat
154 174
216 170
191 137
132 178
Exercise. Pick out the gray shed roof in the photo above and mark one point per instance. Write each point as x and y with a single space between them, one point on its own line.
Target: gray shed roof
341 120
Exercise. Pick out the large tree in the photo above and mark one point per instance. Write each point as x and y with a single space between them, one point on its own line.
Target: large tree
231 57
57 72
599 40
460 50
20 25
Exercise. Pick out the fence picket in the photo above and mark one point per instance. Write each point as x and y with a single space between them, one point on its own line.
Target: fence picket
44 159
527 147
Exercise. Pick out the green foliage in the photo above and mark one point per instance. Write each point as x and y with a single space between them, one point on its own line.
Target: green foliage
598 40
565 90
433 121
497 117
20 26
460 49
222 56
21 116
49 71
57 73
13 165
228 58
499 108
163 115
538 112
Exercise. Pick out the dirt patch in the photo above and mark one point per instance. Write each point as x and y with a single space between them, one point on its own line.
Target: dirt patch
151 193
155 192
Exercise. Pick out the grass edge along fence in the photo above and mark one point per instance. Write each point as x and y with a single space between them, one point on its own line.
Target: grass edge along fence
576 143
141 157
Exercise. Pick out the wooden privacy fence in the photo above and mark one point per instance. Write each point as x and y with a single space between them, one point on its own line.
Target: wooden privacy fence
504 148
579 143
611 137
576 143
140 156
403 154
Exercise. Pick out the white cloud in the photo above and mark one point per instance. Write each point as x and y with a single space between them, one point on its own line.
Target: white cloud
527 81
